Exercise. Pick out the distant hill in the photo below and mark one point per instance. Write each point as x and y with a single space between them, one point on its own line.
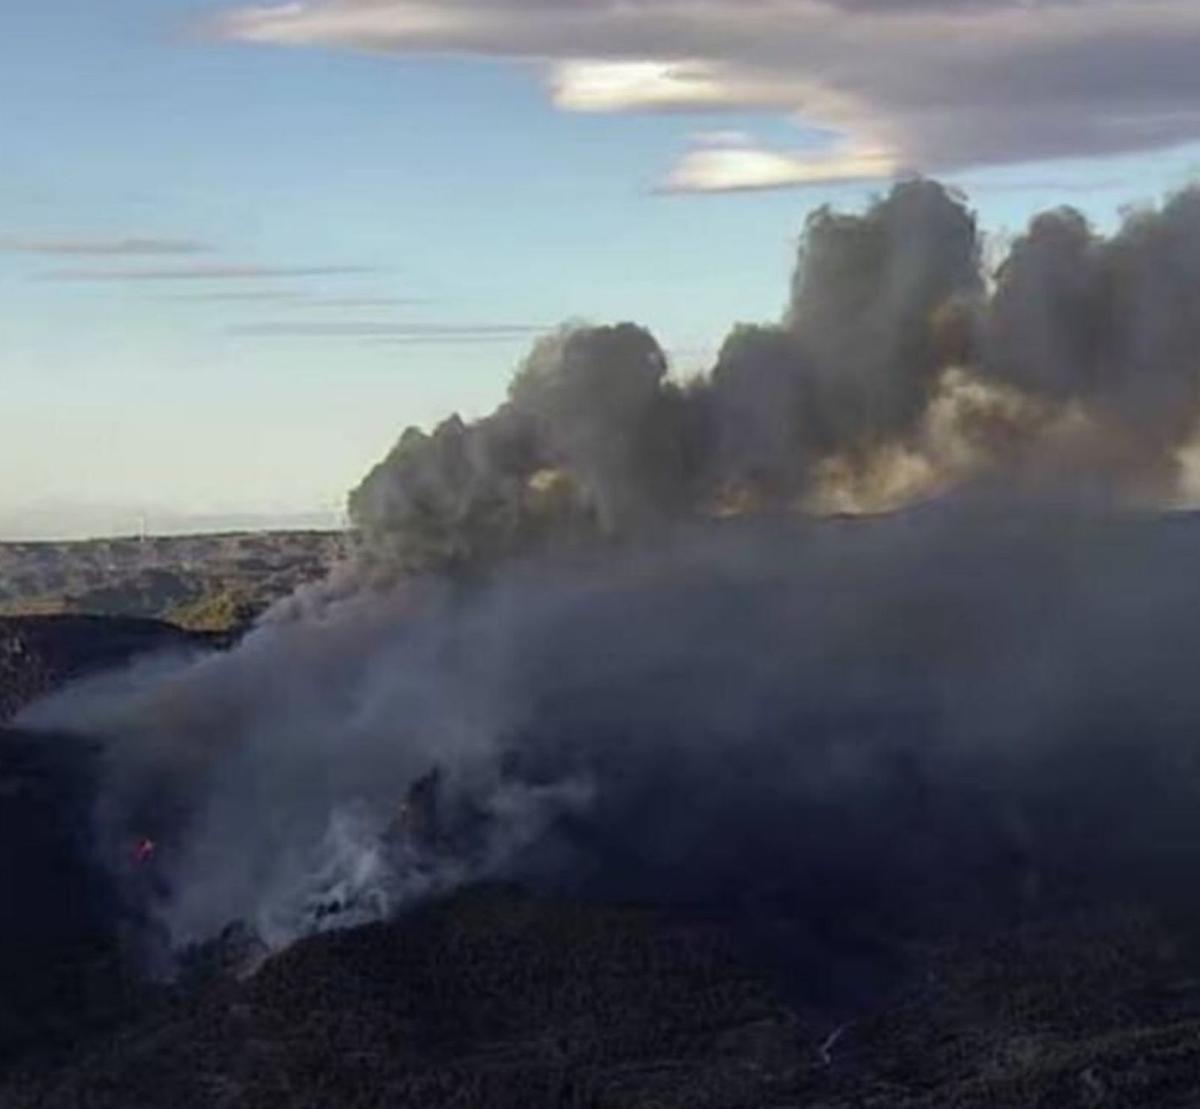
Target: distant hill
204 582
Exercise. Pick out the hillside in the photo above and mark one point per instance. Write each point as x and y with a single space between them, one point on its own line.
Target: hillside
206 582
41 653
497 996
493 999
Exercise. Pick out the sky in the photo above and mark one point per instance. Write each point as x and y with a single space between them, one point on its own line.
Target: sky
243 246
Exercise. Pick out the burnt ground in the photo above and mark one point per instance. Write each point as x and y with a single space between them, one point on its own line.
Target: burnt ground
493 999
497 998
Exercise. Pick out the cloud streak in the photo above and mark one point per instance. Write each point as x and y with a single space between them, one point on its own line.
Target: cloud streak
297 299
363 302
388 330
465 338
934 85
130 246
202 273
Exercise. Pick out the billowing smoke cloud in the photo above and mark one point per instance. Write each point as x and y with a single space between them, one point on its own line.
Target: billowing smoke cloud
855 362
974 706
901 368
1107 324
593 439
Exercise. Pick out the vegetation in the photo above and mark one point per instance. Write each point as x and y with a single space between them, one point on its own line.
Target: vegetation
203 582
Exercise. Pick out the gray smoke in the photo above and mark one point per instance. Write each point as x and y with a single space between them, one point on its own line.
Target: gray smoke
900 369
593 440
969 707
1108 325
875 722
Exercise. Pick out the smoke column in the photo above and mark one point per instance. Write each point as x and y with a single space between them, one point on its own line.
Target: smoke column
603 640
901 369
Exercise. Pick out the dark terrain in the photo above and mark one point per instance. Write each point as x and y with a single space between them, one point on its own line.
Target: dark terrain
41 653
494 997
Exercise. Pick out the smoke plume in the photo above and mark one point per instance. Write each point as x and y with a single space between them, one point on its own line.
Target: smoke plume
901 368
603 640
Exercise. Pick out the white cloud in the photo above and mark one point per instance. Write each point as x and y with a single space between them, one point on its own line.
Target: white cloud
615 86
730 167
936 84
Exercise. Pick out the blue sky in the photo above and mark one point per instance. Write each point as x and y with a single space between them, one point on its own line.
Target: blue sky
232 271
